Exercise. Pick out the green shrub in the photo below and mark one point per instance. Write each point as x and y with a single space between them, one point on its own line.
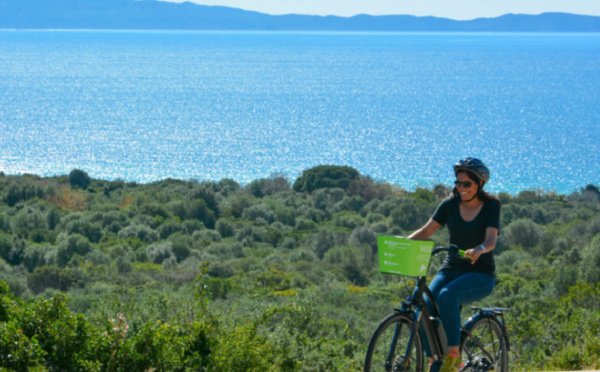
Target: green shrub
28 219
523 232
159 252
325 176
303 224
143 233
591 261
52 277
17 351
225 228
79 178
71 245
348 220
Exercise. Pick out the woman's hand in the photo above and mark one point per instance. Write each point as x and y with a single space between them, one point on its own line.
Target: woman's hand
474 254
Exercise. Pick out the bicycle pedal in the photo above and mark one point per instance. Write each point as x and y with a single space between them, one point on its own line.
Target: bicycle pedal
435 366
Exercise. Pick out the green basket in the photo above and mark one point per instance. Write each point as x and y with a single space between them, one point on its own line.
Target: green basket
403 256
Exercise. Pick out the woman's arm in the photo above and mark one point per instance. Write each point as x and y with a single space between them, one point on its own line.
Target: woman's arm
491 236
426 230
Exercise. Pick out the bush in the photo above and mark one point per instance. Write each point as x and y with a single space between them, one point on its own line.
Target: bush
255 212
205 237
364 235
78 178
243 349
347 220
143 233
356 262
123 264
52 218
92 231
181 246
350 203
220 270
22 191
591 261
322 241
206 193
285 215
237 203
225 228
289 243
17 351
424 195
159 252
367 189
98 258
326 198
523 232
28 219
410 214
36 256
325 176
275 184
71 245
12 249
52 277
156 210
303 224
198 210
169 228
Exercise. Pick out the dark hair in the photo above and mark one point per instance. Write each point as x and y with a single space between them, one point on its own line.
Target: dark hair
481 193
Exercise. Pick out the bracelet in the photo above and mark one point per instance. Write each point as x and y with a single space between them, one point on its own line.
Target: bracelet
482 248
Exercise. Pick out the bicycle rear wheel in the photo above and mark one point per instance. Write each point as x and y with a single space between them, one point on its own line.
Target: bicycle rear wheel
388 346
485 348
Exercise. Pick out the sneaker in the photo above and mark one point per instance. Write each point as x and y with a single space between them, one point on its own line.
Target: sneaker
452 363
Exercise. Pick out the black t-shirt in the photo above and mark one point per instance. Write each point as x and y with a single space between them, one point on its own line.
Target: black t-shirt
467 235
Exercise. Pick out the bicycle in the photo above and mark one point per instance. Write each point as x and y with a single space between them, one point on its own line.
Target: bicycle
397 344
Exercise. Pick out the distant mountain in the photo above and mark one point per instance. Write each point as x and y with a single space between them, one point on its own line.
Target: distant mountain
158 15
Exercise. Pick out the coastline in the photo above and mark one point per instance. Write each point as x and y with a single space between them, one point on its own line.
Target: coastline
398 187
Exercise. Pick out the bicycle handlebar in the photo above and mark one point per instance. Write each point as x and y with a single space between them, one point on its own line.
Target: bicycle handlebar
451 249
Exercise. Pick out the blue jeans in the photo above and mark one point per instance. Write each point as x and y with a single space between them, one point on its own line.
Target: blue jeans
451 289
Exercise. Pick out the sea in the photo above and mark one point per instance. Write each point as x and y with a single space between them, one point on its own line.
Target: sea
399 107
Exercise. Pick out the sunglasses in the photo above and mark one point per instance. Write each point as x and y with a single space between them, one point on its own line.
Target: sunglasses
464 185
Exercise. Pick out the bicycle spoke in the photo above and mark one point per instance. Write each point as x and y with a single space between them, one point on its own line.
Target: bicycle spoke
485 348
388 347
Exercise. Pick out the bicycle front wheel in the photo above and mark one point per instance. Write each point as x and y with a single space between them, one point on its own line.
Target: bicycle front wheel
484 347
388 349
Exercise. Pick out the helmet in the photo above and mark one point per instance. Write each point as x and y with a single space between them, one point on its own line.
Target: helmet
474 166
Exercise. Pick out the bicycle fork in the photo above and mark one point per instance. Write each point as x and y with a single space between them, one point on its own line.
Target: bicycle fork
404 362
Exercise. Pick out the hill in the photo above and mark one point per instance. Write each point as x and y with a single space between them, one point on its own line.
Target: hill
159 15
214 276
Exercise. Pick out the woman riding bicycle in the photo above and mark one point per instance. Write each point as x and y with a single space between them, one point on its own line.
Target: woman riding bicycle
473 220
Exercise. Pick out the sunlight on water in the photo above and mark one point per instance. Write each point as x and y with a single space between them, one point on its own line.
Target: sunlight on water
144 106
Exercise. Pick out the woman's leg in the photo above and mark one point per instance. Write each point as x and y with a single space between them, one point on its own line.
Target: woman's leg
464 289
469 287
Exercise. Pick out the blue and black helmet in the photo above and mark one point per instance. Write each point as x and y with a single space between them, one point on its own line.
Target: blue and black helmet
475 166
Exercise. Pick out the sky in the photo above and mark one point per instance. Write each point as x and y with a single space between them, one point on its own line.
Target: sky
454 9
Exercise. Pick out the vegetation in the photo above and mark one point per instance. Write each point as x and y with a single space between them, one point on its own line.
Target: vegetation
214 276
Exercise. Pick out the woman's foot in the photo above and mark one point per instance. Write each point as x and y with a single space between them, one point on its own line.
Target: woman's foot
452 363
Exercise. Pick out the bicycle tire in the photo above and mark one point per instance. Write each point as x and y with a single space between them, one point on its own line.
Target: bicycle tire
487 331
378 356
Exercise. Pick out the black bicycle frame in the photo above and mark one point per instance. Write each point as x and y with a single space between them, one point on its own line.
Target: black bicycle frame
422 315
438 350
